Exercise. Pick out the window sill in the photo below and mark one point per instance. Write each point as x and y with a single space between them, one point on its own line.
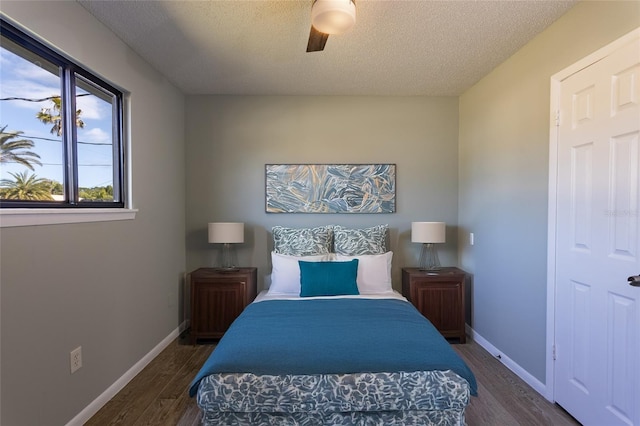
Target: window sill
32 217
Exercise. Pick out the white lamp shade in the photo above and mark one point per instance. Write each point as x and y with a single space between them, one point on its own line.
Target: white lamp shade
428 232
333 16
226 232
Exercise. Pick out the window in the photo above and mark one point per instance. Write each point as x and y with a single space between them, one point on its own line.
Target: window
61 130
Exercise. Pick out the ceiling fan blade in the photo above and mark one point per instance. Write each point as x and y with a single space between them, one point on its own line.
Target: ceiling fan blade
317 40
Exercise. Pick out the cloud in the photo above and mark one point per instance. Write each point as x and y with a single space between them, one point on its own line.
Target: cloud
24 79
94 135
92 107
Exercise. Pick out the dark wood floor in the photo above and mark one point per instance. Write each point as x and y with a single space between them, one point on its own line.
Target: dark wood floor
504 398
158 395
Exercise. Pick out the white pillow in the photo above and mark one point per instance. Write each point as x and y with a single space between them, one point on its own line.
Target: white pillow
374 272
285 272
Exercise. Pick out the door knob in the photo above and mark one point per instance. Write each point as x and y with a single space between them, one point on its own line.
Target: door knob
634 280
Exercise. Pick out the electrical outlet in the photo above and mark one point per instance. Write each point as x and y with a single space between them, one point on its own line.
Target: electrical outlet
76 359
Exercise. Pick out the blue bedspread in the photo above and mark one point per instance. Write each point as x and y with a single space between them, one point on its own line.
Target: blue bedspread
339 336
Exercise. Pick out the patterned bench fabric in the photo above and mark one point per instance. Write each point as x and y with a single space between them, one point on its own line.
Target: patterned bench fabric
424 397
371 418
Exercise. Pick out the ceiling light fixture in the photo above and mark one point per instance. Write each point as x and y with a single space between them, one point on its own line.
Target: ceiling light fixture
333 16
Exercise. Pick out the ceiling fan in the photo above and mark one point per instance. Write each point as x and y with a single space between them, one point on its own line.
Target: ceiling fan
329 17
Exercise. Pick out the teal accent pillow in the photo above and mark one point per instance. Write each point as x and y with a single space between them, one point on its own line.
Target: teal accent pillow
328 278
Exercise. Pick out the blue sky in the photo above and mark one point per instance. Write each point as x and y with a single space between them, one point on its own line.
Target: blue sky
23 79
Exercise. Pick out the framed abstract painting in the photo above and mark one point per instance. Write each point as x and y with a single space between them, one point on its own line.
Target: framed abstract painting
330 188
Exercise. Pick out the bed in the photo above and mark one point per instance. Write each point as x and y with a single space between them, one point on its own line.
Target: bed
331 343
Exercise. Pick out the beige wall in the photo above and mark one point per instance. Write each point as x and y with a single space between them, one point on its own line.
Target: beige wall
231 138
111 287
504 151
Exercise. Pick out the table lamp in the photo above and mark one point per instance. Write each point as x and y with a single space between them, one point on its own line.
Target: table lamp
227 233
429 234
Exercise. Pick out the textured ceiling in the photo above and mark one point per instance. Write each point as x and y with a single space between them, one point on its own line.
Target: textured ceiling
420 47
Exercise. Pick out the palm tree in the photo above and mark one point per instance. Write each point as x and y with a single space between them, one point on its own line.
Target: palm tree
17 151
56 187
26 187
52 116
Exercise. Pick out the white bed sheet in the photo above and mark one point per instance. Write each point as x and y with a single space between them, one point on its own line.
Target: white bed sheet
265 295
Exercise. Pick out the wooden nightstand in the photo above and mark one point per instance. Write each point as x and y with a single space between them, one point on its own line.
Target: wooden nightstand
217 298
439 296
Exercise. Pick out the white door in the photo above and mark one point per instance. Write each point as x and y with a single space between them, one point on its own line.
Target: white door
597 317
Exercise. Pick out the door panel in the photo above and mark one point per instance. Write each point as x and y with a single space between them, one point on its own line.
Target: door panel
597 329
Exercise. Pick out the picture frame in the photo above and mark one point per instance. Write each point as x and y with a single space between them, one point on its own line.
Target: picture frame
330 188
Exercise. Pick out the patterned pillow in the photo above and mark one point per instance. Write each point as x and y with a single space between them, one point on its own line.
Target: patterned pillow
302 241
353 242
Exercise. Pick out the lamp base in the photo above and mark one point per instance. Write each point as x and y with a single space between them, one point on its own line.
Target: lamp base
227 259
429 258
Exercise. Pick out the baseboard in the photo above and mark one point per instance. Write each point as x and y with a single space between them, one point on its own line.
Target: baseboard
91 409
536 384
